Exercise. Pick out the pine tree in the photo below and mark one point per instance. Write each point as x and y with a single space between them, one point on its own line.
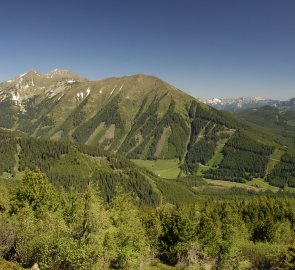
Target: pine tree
37 192
127 243
95 227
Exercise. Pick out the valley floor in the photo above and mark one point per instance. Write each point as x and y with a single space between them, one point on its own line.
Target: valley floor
169 169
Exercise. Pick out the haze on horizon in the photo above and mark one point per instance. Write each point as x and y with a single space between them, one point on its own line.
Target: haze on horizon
206 48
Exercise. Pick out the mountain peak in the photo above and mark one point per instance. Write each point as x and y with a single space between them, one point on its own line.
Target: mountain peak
64 74
29 73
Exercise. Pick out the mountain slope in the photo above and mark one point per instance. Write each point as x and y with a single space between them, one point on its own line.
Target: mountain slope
71 165
275 121
138 116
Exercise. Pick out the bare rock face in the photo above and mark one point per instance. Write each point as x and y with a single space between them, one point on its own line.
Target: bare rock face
35 267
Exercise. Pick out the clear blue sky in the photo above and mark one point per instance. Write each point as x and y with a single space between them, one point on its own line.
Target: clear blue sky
207 48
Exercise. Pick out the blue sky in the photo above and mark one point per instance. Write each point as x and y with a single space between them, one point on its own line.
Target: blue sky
207 48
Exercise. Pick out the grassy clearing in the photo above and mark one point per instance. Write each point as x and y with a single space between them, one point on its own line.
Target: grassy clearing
257 184
166 168
12 183
159 266
93 139
274 159
291 122
228 184
261 184
216 159
201 170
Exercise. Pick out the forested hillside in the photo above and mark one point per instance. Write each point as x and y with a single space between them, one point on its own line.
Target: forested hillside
140 117
60 229
75 166
276 122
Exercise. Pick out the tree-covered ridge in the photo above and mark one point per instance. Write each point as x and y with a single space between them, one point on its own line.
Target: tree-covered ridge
108 115
61 230
276 122
242 142
244 159
283 173
74 166
68 230
7 155
208 129
139 116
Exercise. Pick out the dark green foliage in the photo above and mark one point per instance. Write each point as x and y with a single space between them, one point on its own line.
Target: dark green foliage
78 115
151 128
210 114
196 126
144 122
176 229
175 191
219 229
283 173
36 192
109 115
131 181
201 152
73 165
8 150
211 123
64 228
46 121
264 231
242 142
66 231
7 116
78 118
91 151
289 259
179 131
243 159
36 115
226 174
40 153
274 122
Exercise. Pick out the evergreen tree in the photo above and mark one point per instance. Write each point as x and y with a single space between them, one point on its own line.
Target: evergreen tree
127 243
96 225
36 191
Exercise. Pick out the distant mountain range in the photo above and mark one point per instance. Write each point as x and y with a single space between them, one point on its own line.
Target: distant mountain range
244 103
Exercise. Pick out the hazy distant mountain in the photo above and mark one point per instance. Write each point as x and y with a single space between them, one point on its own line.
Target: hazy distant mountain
244 103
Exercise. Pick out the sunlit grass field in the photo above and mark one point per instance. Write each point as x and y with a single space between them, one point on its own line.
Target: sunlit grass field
163 168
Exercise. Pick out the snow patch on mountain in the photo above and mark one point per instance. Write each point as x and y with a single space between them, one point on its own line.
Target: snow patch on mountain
238 104
15 97
88 92
112 91
23 75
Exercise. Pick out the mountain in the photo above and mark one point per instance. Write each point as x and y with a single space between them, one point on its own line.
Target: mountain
69 165
274 120
136 115
140 117
73 166
244 103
